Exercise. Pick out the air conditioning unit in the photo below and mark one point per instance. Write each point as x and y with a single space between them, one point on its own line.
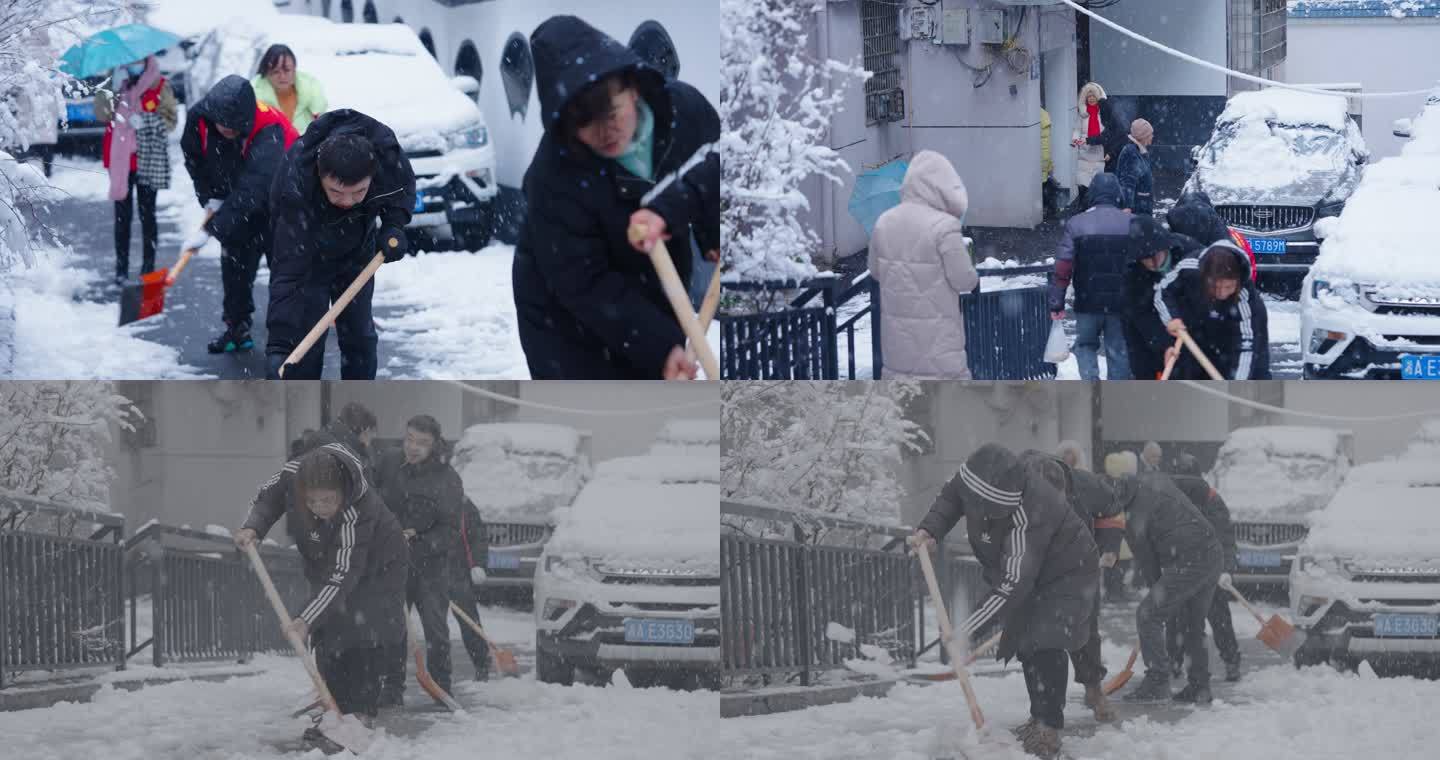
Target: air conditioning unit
990 27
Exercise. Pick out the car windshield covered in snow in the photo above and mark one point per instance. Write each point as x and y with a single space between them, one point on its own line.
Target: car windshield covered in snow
1279 473
521 472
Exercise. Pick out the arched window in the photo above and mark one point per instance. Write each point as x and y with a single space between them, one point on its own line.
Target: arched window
369 14
653 44
517 72
347 11
467 63
428 42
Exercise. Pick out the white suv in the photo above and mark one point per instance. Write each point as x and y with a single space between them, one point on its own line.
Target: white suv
1366 583
1373 295
1272 478
631 578
383 71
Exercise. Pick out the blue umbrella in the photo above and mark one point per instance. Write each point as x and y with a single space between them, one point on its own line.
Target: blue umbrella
876 192
113 48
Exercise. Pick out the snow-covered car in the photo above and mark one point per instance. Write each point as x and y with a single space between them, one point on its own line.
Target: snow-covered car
1276 163
1366 582
1373 295
1406 127
1273 478
517 474
383 71
700 437
631 578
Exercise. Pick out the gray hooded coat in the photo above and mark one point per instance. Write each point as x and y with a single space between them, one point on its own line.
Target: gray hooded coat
919 257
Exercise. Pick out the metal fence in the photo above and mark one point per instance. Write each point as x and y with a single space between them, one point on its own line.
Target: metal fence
206 602
780 598
61 596
1005 331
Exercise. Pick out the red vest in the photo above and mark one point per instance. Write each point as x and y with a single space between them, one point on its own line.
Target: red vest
265 116
149 101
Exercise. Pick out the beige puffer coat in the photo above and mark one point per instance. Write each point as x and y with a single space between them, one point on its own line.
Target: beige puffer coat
919 257
1091 158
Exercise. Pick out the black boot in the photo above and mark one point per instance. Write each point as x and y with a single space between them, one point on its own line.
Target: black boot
1177 668
312 738
235 338
1232 670
1194 693
1154 689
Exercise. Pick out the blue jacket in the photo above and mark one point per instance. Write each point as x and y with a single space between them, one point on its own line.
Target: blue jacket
1137 183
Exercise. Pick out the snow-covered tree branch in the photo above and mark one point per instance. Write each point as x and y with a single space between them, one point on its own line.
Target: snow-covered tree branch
54 438
776 104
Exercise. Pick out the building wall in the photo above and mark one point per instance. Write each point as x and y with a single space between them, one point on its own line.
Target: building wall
618 436
1126 67
1373 440
1383 54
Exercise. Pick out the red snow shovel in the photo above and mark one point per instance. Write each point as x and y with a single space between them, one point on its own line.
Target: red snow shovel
318 331
1276 633
947 637
504 658
345 730
422 673
1124 676
147 298
680 302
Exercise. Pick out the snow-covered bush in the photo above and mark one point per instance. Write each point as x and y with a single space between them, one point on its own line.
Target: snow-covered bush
776 104
54 438
823 447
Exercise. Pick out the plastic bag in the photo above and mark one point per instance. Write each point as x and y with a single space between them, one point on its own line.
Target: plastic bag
1057 347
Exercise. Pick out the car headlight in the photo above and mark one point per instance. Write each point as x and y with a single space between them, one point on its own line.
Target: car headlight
572 567
474 137
1332 208
1348 292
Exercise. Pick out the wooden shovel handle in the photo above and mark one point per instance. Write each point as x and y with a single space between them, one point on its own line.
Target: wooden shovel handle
329 319
326 699
186 255
981 650
474 626
1236 593
708 307
1170 363
1200 357
947 636
680 303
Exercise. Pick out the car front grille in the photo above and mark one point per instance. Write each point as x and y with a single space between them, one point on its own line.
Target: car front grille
423 154
1267 218
659 580
697 608
1387 578
1268 534
511 534
1422 340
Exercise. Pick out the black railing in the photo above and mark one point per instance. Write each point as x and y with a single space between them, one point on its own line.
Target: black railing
1005 330
779 596
205 600
61 596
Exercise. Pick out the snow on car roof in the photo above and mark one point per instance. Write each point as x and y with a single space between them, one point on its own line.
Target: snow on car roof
1386 234
535 437
1287 107
1286 440
1385 510
1279 472
662 468
616 517
697 431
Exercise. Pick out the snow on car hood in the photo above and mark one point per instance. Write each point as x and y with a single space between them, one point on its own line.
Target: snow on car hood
662 468
1386 511
642 521
561 440
1259 164
1279 473
1386 235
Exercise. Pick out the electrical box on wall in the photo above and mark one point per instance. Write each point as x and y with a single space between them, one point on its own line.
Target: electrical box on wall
955 27
917 22
990 27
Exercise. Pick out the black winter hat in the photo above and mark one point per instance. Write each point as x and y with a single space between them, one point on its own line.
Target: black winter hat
1150 237
993 477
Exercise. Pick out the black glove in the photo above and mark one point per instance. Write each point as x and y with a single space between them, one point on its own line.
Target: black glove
393 244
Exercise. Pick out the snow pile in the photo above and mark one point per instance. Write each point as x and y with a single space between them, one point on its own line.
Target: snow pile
1256 156
1425 131
520 472
187 18
662 469
700 432
1288 107
1385 235
1279 472
452 314
624 518
1385 509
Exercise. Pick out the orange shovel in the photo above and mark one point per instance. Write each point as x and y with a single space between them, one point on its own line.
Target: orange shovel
1276 633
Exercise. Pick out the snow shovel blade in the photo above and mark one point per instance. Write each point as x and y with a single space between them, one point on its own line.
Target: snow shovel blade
347 731
422 673
505 661
143 299
1124 676
1278 634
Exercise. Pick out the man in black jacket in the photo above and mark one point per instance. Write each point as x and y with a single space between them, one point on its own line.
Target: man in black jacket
622 146
425 494
1155 252
233 147
343 194
1187 479
354 557
467 571
1094 253
1178 556
1041 563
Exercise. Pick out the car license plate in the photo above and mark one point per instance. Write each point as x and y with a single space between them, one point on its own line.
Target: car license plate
643 631
503 561
1420 366
1258 559
79 112
419 203
1266 245
1407 625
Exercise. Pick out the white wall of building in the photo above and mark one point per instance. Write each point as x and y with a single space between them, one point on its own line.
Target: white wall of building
1383 54
618 436
1373 440
1126 67
692 26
